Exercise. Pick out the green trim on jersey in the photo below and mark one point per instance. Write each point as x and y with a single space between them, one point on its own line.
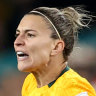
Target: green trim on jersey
66 69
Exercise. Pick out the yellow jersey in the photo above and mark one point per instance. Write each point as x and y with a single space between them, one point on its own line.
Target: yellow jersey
69 83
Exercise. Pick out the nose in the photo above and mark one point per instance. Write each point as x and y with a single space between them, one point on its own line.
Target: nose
19 41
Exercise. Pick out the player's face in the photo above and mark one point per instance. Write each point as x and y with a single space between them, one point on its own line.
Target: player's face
33 44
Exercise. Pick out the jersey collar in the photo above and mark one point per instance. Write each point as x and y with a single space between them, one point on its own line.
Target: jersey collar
51 83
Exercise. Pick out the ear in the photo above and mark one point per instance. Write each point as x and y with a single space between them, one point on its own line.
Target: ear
59 46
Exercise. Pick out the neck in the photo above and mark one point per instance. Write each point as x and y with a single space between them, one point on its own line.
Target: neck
49 72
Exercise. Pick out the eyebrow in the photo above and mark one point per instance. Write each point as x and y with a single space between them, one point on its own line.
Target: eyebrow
27 30
17 30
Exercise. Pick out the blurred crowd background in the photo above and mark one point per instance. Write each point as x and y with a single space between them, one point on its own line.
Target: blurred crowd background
82 59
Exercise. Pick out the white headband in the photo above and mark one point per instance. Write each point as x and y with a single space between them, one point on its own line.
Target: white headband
49 21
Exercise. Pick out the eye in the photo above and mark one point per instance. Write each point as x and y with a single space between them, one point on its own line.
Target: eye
16 35
30 35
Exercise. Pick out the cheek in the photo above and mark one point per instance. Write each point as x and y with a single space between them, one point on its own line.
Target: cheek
40 53
40 56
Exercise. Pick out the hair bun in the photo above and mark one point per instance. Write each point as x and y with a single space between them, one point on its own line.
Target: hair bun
72 12
77 17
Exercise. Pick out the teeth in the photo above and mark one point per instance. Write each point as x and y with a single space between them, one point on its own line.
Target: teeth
19 53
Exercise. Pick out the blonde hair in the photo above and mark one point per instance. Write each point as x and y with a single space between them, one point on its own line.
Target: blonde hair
76 17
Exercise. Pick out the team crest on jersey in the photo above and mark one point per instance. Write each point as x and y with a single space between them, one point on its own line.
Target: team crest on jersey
82 94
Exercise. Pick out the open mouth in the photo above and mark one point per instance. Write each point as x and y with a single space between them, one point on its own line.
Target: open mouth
21 55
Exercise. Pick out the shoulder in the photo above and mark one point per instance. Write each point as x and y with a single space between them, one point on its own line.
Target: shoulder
73 82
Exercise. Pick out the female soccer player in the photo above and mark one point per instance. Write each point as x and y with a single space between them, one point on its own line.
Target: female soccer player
45 39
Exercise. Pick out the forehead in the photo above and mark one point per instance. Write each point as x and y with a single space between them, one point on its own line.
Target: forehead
33 21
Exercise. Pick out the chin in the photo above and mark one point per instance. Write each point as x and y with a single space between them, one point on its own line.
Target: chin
22 68
25 68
